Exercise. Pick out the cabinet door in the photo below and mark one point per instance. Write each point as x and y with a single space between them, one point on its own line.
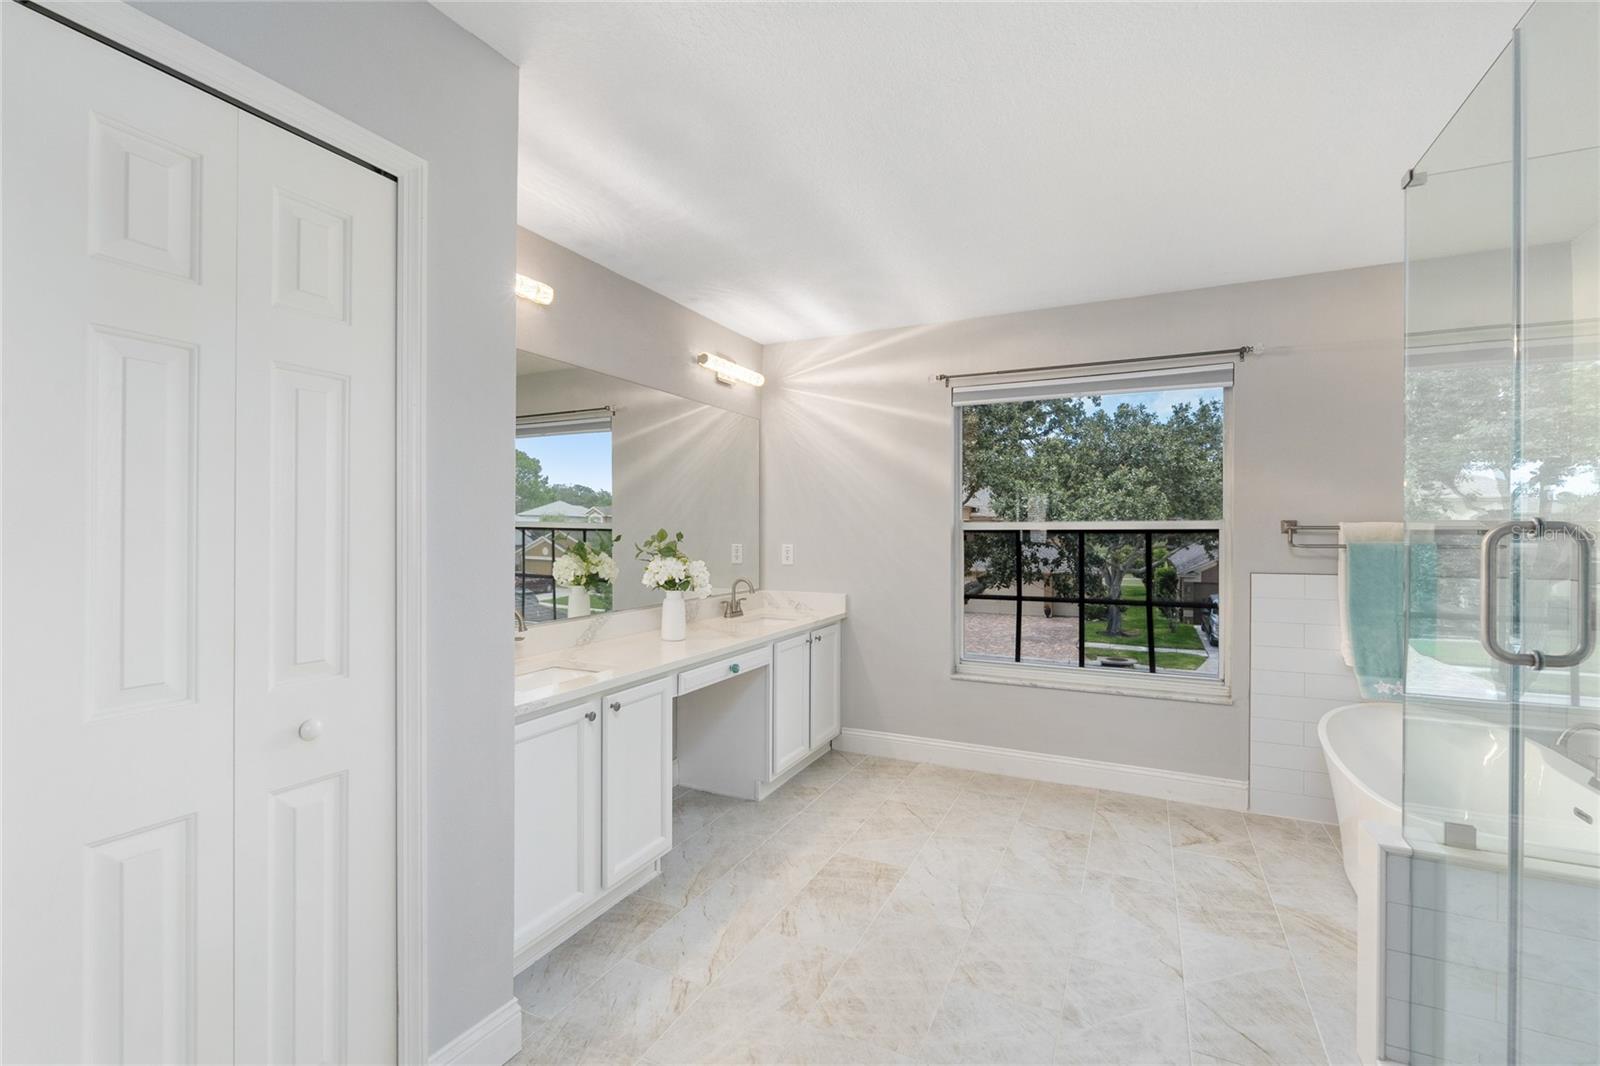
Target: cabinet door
637 739
557 819
824 685
791 702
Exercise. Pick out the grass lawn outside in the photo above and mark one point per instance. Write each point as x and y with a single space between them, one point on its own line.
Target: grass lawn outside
1165 660
1169 634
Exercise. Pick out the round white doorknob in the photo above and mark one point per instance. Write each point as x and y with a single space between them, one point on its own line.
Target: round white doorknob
311 729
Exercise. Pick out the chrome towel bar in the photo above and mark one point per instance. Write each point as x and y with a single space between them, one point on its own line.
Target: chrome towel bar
1289 528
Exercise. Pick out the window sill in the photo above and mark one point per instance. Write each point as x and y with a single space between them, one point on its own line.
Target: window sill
1215 692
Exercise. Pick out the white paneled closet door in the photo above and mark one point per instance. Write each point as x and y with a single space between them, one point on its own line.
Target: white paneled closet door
196 556
315 646
116 556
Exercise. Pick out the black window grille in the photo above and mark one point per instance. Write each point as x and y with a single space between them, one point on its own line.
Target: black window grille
535 595
1070 566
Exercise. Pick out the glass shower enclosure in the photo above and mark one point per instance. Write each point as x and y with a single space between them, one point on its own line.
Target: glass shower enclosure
1497 956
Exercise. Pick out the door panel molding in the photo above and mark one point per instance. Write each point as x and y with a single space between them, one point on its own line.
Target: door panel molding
145 503
308 917
139 946
124 27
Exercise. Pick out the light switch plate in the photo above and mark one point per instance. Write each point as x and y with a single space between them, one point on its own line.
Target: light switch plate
738 554
788 555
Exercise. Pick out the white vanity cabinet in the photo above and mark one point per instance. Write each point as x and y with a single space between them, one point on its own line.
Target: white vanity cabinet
805 695
593 786
791 701
594 777
557 818
637 775
825 719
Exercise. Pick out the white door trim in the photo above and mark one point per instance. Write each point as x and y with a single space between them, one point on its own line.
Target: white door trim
153 39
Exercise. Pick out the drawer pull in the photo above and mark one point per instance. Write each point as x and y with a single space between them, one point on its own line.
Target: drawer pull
733 668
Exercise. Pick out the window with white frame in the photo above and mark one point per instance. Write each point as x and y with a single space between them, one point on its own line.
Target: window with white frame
1092 524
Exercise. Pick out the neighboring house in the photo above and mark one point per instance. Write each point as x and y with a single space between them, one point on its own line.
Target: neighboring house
981 506
536 550
978 508
1199 571
561 513
1047 556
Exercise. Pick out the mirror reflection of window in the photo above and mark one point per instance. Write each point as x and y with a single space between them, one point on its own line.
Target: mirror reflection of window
670 463
563 498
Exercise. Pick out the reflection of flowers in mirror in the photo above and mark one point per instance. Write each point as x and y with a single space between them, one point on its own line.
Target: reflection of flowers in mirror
668 568
584 567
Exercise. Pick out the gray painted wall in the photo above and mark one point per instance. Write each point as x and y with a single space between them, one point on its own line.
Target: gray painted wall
406 72
858 474
605 322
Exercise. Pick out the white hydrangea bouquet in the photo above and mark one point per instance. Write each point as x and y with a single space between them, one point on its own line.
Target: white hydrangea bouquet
668 568
582 569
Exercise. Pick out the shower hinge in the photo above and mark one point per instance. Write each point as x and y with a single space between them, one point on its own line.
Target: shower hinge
1414 177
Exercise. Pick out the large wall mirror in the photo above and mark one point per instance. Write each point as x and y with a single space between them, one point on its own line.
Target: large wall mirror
603 463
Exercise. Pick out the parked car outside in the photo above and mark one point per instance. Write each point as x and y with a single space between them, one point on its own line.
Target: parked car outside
1211 623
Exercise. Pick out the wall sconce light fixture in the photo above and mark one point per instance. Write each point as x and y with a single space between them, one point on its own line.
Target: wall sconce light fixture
537 291
728 372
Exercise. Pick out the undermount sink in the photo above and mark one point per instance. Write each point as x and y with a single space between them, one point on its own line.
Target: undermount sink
553 676
755 622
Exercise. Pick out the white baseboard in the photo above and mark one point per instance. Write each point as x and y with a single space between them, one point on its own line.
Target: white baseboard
1060 769
492 1042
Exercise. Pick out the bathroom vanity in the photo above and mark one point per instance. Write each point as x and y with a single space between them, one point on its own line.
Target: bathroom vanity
609 717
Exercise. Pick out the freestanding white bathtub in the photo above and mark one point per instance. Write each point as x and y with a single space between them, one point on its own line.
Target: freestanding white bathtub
1460 790
1362 743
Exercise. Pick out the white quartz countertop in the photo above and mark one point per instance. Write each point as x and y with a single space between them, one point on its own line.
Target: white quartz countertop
548 680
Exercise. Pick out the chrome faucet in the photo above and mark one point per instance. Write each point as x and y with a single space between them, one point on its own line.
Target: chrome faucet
732 608
522 624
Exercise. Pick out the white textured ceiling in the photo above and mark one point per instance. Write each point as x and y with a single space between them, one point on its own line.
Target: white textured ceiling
802 170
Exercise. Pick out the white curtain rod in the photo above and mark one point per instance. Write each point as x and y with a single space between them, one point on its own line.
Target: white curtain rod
1239 352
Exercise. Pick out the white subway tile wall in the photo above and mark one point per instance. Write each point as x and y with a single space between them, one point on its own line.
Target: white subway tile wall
1296 676
1446 975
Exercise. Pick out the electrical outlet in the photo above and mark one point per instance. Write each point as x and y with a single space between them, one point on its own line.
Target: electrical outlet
788 555
738 554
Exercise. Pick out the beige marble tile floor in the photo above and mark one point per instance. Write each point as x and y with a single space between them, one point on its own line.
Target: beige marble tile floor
875 911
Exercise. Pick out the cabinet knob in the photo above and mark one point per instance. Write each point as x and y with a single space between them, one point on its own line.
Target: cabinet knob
818 639
310 729
590 716
616 707
733 668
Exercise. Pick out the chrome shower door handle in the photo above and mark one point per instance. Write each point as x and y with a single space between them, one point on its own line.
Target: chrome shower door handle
1488 632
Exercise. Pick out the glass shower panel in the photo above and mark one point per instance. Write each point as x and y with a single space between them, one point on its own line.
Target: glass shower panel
1502 720
1555 905
1460 391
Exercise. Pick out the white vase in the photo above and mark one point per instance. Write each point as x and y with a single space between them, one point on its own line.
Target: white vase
578 603
673 616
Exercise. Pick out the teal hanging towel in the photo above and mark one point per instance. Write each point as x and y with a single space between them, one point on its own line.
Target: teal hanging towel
1372 602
